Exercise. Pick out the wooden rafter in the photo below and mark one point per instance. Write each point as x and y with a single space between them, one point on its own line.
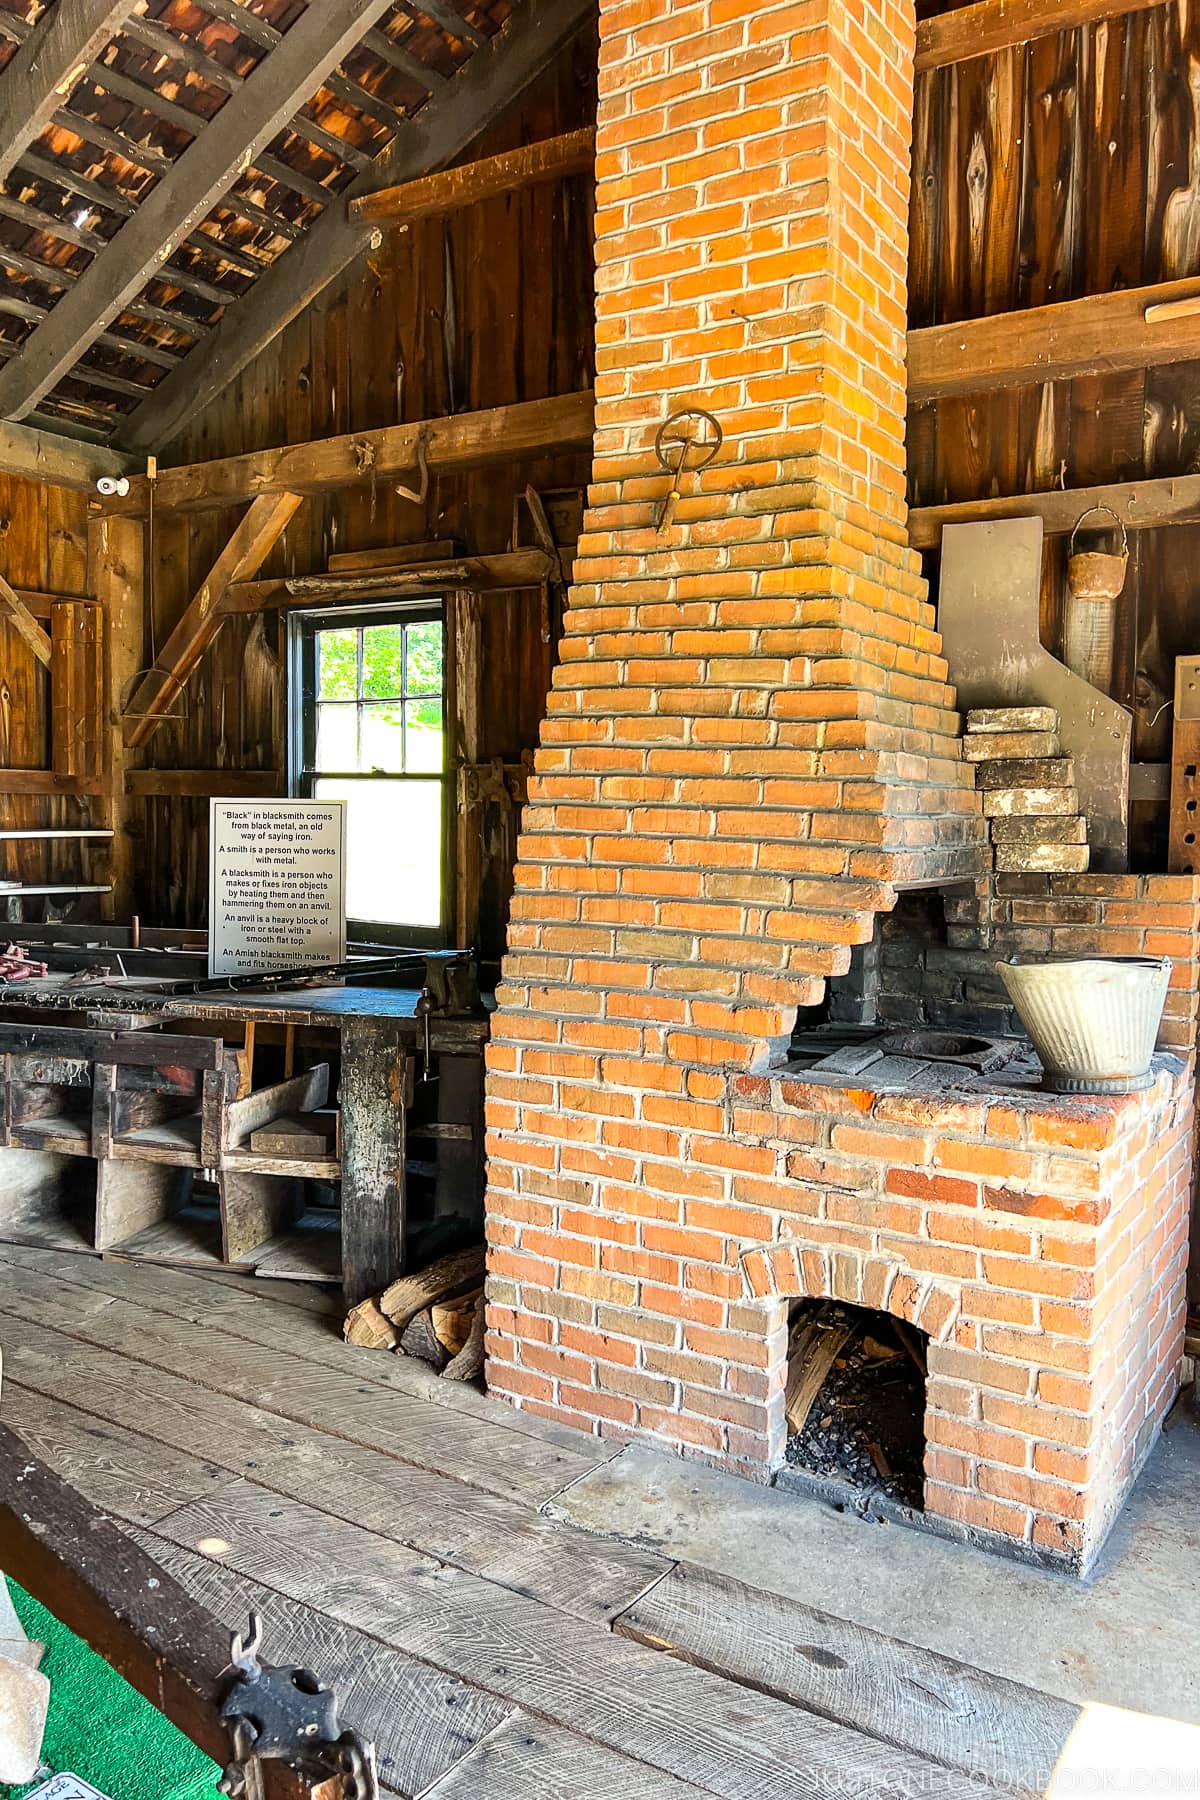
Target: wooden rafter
61 461
994 25
265 102
483 89
53 57
462 441
240 560
1097 336
574 153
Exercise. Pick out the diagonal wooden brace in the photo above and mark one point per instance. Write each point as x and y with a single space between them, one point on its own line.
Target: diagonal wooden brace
241 559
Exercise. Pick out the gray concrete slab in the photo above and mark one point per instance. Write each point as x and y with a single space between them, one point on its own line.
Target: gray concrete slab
1128 1637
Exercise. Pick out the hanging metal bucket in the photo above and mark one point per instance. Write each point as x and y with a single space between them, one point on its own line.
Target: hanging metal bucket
1097 574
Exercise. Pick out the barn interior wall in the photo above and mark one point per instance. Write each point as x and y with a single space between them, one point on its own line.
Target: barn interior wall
461 312
1049 172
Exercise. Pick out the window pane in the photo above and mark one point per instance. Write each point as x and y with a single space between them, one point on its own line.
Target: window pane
382 738
425 671
337 664
383 662
393 849
423 737
337 738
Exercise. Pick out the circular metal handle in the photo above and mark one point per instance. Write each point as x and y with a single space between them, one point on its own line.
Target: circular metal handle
707 445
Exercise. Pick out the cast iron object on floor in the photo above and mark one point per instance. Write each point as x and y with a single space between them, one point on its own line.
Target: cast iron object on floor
286 1713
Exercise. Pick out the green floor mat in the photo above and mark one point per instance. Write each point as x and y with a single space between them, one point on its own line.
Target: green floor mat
101 1729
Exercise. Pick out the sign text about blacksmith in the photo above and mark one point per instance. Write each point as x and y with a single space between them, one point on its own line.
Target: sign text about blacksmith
277 884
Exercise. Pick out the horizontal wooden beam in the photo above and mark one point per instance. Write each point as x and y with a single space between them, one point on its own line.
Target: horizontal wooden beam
574 153
479 574
61 461
462 441
1140 506
45 781
1097 336
994 25
203 784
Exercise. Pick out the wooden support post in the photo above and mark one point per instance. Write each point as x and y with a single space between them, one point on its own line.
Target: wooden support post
76 687
240 560
377 1075
574 153
116 577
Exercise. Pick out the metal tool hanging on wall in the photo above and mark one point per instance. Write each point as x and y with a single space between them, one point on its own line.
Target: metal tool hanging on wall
285 1714
689 433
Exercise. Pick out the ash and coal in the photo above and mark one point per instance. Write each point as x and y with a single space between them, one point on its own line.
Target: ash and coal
864 1426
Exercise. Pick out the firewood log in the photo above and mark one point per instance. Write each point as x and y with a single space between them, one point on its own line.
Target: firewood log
442 1280
366 1325
468 1364
419 1339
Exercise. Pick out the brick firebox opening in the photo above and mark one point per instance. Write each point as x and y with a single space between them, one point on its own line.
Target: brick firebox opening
750 747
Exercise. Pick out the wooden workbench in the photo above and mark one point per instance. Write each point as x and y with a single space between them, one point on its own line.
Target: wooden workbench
382 1041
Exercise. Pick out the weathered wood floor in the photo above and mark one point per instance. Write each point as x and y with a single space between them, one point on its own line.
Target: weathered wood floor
388 1528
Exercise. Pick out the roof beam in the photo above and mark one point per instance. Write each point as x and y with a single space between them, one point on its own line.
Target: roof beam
994 25
462 441
60 461
54 56
547 160
263 104
1137 328
482 90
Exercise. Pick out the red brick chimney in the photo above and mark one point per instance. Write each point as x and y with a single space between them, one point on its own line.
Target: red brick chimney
750 743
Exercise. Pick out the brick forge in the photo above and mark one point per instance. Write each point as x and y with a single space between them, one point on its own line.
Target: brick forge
750 748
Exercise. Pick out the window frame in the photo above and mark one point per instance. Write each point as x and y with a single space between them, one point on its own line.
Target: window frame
303 629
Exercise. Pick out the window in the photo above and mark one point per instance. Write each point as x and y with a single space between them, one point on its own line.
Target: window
370 730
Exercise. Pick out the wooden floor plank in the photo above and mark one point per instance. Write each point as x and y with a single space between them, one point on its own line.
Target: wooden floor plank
726 1739
329 1396
902 1695
525 1758
434 1514
255 1318
112 1471
421 1721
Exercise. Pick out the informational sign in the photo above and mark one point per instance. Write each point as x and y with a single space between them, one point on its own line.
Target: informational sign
66 1787
276 884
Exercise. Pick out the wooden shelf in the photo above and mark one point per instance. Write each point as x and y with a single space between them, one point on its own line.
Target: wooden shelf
70 1136
174 1141
190 1236
311 1250
250 1162
37 887
37 835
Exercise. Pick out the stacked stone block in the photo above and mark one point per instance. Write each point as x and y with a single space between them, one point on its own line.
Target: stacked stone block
1028 787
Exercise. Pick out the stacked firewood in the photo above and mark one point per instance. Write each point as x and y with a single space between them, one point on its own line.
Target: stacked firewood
436 1315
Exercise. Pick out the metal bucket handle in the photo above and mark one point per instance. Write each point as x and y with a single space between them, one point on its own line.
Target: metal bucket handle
1119 522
